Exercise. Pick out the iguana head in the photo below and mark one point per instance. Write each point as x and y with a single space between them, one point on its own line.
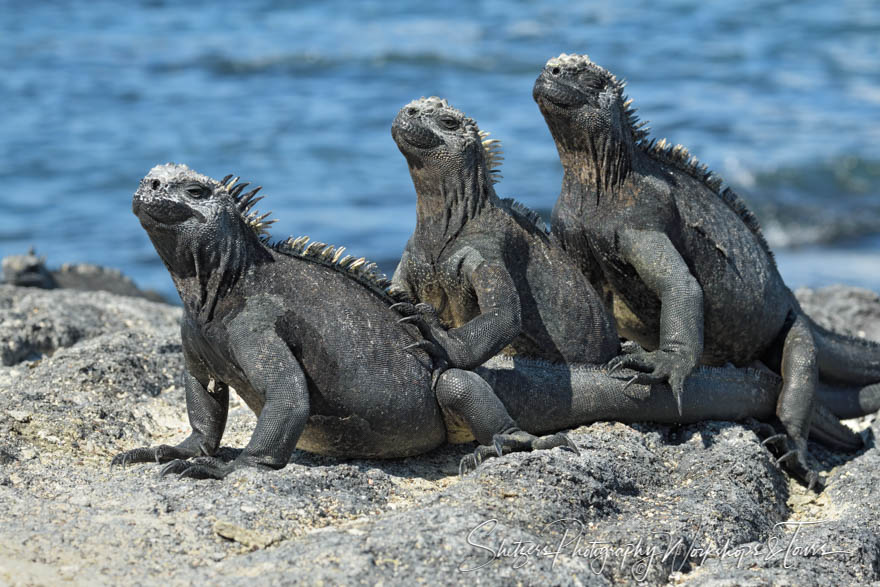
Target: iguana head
196 222
440 142
584 103
28 271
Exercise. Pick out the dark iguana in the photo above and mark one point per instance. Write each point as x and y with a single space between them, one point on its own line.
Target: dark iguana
30 270
692 278
309 340
486 265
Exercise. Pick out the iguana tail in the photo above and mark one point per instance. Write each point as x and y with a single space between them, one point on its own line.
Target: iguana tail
846 359
850 402
544 397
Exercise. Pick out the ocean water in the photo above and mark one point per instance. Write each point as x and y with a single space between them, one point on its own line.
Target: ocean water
782 99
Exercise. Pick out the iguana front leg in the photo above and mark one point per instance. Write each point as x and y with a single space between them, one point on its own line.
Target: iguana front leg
663 270
471 344
207 412
273 372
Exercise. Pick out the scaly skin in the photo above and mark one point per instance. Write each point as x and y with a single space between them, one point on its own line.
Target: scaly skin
485 270
306 338
692 279
311 343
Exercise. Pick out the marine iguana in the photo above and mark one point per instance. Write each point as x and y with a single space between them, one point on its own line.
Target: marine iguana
309 340
484 269
693 279
30 270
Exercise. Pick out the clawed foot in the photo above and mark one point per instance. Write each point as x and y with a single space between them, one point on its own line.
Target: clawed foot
654 367
199 468
149 454
517 441
424 317
792 455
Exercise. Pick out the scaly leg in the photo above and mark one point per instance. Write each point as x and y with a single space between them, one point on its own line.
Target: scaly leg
467 395
800 376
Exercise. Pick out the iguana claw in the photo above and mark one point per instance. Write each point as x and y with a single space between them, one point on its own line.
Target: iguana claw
794 460
466 465
570 445
773 439
422 344
175 466
614 365
677 393
787 457
200 468
149 454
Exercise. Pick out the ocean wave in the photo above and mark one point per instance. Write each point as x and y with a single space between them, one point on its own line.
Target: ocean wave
819 203
307 62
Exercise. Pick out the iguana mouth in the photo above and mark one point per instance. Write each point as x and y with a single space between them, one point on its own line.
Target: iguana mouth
559 93
415 134
161 213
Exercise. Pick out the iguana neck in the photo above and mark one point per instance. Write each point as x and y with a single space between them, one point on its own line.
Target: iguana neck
209 273
447 202
600 163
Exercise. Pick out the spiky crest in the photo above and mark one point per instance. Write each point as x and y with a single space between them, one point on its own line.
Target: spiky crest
662 150
359 269
520 209
493 153
259 223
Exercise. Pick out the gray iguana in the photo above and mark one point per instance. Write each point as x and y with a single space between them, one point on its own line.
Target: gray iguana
30 270
309 340
484 270
692 278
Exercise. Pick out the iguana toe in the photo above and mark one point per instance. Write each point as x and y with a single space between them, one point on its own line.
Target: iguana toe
558 440
467 464
174 467
795 459
404 308
204 471
677 392
470 462
614 364
517 441
200 468
776 442
149 454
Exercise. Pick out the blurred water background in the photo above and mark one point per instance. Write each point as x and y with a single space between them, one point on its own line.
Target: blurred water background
781 98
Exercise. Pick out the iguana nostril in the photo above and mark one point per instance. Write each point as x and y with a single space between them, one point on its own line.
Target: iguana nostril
155 184
412 111
555 71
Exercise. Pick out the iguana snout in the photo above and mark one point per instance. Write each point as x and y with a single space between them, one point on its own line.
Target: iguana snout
570 81
420 124
171 194
151 206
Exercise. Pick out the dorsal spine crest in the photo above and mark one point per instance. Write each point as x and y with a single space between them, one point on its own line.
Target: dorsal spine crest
520 209
359 269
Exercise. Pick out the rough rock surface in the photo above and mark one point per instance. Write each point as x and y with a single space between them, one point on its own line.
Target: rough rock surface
88 374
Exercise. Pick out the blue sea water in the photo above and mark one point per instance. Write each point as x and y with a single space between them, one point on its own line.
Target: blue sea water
781 98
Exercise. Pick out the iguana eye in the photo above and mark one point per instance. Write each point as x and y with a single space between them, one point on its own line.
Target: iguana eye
449 122
197 191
